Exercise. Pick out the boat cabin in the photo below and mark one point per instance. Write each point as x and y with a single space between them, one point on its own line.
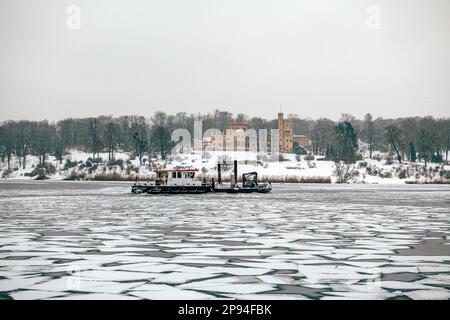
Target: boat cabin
177 177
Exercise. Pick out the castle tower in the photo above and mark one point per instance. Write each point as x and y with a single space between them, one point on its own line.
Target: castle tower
280 130
286 132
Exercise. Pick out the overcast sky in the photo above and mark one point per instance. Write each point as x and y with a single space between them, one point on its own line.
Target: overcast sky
316 58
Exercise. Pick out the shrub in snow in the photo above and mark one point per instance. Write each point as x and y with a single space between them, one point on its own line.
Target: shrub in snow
377 157
436 158
92 168
344 172
444 174
39 174
372 170
6 173
41 171
76 176
94 160
131 169
118 162
362 164
69 164
403 174
385 174
389 161
312 165
88 163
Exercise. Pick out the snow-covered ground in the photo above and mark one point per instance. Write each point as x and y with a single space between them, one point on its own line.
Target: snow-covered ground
291 168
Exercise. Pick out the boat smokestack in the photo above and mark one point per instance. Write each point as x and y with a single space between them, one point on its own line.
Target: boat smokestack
235 172
219 174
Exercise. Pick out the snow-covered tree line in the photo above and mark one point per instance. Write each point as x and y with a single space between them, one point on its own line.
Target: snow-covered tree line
411 138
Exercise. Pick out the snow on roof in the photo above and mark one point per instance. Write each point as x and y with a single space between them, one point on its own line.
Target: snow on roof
180 170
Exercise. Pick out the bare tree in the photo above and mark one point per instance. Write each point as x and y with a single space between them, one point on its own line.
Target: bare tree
393 138
344 172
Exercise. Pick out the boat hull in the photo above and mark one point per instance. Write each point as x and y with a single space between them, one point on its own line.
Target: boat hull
165 189
137 189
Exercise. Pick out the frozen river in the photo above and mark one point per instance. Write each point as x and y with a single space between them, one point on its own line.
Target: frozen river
88 240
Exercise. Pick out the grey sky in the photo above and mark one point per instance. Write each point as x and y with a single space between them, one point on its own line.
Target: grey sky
316 58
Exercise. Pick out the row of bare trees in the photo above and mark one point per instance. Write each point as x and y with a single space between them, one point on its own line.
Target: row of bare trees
410 138
424 138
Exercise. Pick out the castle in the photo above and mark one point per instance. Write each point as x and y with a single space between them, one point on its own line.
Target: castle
236 138
286 133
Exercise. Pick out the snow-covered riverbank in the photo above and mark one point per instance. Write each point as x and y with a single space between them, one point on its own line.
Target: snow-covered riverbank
78 165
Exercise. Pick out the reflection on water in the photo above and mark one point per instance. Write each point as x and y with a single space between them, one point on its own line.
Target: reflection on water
96 240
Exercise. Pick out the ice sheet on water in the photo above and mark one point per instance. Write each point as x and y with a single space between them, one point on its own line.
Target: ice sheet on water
126 249
265 296
113 288
145 267
95 296
116 275
436 279
35 294
237 288
65 284
270 265
401 285
25 262
434 294
332 274
209 282
194 259
176 294
19 283
434 268
236 271
181 277
419 258
356 296
272 280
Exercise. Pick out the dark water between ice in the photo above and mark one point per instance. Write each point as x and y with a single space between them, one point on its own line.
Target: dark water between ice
97 240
